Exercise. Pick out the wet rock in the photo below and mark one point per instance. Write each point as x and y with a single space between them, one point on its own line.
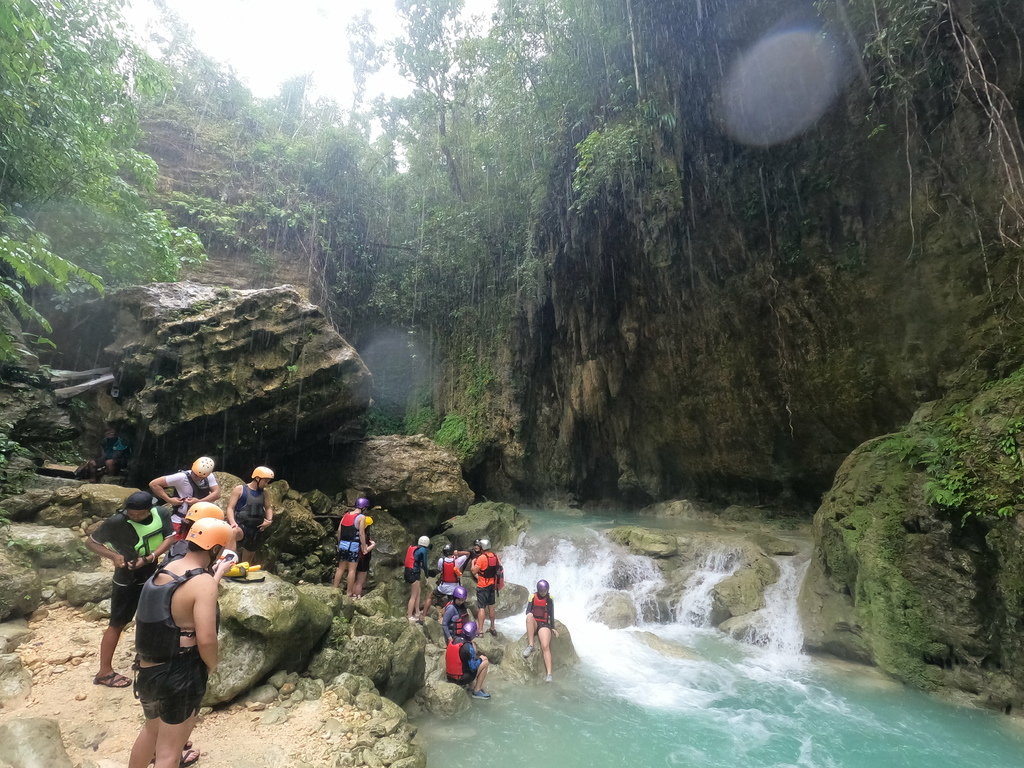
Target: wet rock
743 592
13 633
492 647
682 509
511 600
15 680
408 665
616 610
666 647
82 588
644 541
20 585
370 656
501 523
47 547
33 742
418 759
444 699
392 748
415 479
563 656
740 628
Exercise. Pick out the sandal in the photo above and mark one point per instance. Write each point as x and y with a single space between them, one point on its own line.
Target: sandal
113 680
492 631
188 757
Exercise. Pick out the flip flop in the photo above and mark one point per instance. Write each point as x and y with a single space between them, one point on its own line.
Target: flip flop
113 680
492 631
188 757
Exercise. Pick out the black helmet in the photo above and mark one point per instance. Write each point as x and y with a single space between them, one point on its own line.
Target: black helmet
446 550
139 500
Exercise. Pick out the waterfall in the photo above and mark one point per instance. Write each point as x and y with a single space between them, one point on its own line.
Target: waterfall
694 606
777 626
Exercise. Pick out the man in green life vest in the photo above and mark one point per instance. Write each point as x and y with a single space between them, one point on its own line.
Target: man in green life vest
134 538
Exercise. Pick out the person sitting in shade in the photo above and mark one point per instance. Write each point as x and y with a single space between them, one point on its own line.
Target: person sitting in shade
540 623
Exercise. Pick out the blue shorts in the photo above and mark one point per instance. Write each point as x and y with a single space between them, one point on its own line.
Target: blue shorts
348 551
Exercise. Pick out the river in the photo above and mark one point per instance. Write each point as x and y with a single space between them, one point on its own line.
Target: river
698 698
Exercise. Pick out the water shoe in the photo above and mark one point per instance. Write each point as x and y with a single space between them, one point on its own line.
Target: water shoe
547 679
527 651
480 695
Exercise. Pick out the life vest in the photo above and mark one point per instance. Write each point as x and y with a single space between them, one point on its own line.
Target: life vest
150 534
453 661
461 616
250 506
539 608
450 574
410 558
157 637
200 485
349 527
491 571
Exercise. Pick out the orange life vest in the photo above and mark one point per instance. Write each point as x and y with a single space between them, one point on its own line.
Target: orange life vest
449 573
453 661
539 609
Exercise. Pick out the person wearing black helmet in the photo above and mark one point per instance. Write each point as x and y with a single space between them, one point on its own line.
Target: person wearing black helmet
464 666
540 623
449 574
133 538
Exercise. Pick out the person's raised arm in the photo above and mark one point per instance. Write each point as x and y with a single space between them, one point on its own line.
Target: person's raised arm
159 489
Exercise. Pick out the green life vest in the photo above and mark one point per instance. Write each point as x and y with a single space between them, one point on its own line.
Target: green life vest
150 534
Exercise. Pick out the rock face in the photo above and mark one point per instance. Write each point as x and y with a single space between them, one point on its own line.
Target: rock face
32 742
259 372
47 547
616 610
501 523
419 482
20 586
563 656
931 593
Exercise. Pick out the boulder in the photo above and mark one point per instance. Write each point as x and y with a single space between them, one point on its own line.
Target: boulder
20 586
511 600
33 742
668 648
379 625
102 500
743 592
24 507
15 680
492 647
645 541
294 531
331 597
444 699
47 547
370 656
60 517
13 633
616 610
417 758
265 626
682 509
261 362
563 656
742 628
327 663
82 588
415 479
501 523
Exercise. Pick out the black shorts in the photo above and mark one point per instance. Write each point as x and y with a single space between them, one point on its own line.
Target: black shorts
250 536
124 600
364 563
466 679
173 691
412 575
485 596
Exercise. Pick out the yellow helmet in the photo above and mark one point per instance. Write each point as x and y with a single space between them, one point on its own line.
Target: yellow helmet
263 472
202 510
209 533
368 520
202 466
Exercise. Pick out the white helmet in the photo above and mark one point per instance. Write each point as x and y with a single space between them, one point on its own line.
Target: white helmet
424 541
202 466
485 544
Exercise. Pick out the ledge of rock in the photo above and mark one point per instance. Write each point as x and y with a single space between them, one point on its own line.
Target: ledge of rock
499 522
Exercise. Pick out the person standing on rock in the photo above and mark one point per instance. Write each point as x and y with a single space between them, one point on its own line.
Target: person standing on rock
176 643
351 544
189 485
133 538
540 623
455 615
464 666
415 569
249 509
487 570
363 566
449 575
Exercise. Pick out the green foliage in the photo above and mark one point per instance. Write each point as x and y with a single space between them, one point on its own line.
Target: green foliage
608 159
380 420
454 434
422 421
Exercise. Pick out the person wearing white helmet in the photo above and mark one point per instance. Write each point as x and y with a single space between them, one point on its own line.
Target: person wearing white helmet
488 571
415 569
189 486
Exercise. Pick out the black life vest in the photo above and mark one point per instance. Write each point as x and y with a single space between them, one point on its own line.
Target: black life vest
200 485
539 609
349 526
449 573
157 637
453 666
251 506
461 617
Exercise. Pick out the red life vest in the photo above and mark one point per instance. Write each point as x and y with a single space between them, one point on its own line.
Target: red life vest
461 615
453 661
492 566
539 609
409 562
449 573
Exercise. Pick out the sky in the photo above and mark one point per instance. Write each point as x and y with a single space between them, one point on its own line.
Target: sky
269 41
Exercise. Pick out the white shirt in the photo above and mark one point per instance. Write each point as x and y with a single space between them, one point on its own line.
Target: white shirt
449 587
183 489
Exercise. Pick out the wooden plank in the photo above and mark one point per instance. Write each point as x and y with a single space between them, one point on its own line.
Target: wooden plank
75 375
65 393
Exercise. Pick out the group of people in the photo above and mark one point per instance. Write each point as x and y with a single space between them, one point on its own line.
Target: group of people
168 560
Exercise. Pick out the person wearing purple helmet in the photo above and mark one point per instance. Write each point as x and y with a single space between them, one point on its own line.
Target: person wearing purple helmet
540 623
455 615
351 544
463 665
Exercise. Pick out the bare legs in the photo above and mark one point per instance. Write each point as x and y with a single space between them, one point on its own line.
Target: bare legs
543 634
412 610
107 647
163 740
349 569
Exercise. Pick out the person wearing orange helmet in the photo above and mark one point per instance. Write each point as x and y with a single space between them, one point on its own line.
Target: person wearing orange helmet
201 510
250 510
189 486
176 644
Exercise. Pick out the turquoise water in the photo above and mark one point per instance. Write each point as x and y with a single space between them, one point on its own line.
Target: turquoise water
719 703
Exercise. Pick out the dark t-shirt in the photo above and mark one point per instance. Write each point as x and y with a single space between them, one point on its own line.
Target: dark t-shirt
119 534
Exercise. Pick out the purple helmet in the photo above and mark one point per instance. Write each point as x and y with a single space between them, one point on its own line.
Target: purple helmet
460 593
469 630
542 587
362 503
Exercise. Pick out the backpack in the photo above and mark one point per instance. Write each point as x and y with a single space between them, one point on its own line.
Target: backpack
499 578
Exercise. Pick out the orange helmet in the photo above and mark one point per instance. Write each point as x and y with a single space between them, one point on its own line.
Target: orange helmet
202 466
202 510
263 472
209 533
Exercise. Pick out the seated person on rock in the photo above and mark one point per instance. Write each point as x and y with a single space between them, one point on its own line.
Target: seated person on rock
351 545
110 460
249 509
540 623
464 666
455 615
189 485
134 538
